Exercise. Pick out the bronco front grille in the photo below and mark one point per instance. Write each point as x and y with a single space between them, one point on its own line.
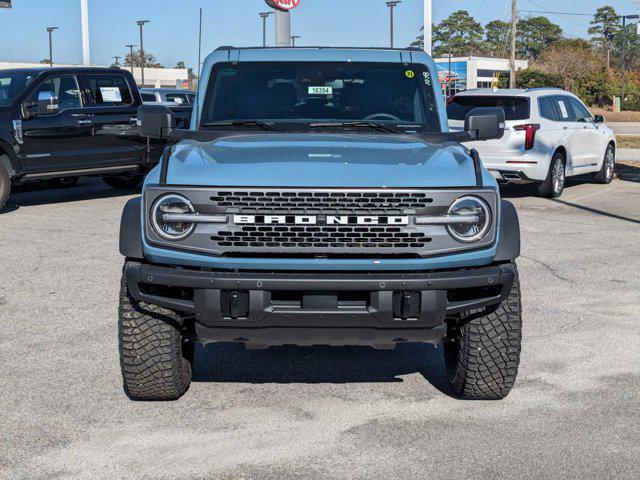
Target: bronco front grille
247 233
321 202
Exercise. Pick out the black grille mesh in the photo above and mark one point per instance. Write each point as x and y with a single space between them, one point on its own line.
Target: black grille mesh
292 202
320 237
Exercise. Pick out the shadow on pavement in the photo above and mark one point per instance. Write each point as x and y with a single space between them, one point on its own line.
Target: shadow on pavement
229 362
629 172
596 211
43 193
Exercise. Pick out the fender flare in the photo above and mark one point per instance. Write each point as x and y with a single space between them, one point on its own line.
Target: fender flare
509 246
131 230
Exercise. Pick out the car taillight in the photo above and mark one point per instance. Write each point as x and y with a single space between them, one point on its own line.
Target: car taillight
530 130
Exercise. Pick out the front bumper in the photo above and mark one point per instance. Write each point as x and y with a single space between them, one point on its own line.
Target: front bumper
262 309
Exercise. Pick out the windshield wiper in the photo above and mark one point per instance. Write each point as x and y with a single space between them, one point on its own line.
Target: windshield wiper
242 123
370 125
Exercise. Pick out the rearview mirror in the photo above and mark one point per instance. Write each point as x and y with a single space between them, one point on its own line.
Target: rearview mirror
155 121
485 123
48 103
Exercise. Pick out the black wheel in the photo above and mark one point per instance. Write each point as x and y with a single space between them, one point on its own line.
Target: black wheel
553 186
606 173
123 181
482 362
5 182
65 182
155 359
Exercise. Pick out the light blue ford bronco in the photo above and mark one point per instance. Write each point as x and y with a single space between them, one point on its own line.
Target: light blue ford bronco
318 198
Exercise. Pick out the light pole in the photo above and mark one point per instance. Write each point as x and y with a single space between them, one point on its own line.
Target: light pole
50 30
392 4
117 60
141 23
624 42
293 40
264 16
131 47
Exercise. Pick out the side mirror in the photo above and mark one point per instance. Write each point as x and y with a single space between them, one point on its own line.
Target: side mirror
485 123
155 121
48 103
599 119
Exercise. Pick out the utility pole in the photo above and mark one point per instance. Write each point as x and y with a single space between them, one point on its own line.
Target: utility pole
131 47
50 30
199 46
293 40
624 59
512 55
86 48
117 61
428 27
264 16
141 24
392 4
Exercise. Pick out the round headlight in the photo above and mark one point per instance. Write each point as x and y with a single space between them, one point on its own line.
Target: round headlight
171 229
475 221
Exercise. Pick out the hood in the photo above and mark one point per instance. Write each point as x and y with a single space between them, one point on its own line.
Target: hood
320 160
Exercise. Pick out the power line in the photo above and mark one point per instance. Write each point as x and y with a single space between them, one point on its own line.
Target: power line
558 13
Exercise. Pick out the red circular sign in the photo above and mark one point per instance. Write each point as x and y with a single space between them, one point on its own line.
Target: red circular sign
284 5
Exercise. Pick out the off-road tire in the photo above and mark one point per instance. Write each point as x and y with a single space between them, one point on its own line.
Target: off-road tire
482 363
547 188
125 182
5 183
605 176
156 361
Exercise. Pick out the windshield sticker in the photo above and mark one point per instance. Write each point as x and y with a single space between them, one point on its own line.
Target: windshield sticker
229 72
320 90
111 94
427 78
410 73
563 109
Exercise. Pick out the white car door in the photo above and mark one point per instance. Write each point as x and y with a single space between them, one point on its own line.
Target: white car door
588 142
571 130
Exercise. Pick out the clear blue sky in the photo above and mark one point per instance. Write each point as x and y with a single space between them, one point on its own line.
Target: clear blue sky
172 35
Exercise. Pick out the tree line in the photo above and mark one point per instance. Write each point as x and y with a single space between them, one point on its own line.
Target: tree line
588 67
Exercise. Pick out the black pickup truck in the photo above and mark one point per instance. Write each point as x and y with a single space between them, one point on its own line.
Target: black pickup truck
61 123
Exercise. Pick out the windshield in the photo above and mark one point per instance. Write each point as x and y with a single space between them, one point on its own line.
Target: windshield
398 95
515 108
11 85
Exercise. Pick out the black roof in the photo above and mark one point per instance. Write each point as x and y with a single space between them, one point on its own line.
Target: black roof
45 69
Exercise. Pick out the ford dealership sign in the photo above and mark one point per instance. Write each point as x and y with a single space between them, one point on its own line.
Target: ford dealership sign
284 5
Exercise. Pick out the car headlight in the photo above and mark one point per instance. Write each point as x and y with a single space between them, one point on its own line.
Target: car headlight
172 205
475 219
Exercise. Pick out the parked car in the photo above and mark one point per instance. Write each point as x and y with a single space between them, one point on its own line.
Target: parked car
62 123
550 135
166 95
319 200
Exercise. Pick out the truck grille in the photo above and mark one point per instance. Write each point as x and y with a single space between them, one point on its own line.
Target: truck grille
255 225
322 202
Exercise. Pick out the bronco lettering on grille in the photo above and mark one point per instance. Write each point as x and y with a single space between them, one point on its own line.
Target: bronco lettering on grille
318 220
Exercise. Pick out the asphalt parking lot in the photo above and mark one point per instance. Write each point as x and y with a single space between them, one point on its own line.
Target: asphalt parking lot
321 412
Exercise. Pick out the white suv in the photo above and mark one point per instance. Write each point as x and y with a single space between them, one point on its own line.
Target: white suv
550 135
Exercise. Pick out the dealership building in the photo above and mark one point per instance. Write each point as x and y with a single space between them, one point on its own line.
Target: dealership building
473 72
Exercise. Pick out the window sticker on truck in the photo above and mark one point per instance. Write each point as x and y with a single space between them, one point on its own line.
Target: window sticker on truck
111 94
320 90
